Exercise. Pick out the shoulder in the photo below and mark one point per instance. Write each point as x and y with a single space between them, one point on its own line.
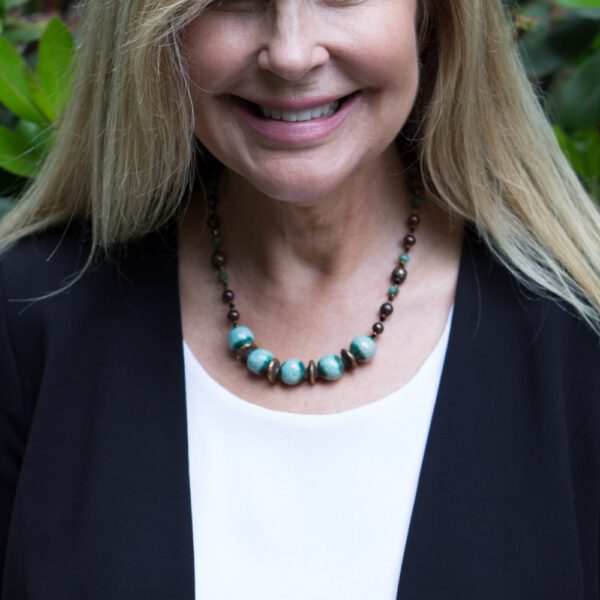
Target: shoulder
501 299
53 293
42 263
528 340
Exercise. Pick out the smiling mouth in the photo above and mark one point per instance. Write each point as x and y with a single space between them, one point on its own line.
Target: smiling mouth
294 116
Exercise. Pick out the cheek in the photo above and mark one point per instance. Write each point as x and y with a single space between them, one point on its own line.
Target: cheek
390 53
215 56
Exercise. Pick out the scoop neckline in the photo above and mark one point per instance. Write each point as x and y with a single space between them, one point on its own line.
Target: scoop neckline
239 403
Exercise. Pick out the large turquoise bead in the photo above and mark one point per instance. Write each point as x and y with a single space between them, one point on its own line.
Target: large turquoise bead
331 367
258 361
363 348
292 371
239 336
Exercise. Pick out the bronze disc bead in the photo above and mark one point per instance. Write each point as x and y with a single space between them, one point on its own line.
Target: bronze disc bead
348 359
378 328
386 309
243 352
233 315
311 372
273 370
228 296
213 222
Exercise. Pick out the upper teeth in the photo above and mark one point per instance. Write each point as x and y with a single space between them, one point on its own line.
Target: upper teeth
301 115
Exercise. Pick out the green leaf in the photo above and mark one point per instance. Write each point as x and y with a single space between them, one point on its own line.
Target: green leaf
576 103
582 149
14 89
39 138
16 156
56 52
579 3
40 98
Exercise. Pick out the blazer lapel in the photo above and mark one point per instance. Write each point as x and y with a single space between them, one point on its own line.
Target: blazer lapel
492 516
155 448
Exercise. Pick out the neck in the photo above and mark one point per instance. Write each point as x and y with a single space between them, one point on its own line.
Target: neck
323 242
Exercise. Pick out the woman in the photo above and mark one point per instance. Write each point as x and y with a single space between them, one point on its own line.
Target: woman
373 176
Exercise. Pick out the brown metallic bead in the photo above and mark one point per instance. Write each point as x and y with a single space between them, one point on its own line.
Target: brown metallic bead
382 318
233 315
218 259
311 372
409 241
378 328
213 222
243 352
348 359
228 296
413 221
386 309
231 305
273 370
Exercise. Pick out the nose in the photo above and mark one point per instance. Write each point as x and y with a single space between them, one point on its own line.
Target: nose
293 45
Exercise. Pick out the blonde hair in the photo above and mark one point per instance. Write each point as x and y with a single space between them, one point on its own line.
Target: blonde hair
125 150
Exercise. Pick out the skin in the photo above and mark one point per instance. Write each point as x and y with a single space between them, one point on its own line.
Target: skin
312 230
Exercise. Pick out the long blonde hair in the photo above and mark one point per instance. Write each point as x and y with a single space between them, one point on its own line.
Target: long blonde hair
125 151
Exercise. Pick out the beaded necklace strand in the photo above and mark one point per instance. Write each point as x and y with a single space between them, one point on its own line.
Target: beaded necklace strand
330 367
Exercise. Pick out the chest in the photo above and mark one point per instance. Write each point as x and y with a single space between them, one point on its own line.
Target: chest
321 500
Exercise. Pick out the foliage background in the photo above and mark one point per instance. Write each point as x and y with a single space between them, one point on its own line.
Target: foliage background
559 40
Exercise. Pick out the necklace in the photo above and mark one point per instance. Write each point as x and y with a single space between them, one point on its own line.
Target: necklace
330 367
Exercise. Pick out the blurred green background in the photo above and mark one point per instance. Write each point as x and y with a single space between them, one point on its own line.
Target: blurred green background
559 40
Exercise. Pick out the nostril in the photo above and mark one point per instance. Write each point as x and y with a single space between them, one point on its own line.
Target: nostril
292 61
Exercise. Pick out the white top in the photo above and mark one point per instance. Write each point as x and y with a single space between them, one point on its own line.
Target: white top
304 507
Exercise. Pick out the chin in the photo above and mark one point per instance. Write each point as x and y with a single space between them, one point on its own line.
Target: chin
298 186
297 178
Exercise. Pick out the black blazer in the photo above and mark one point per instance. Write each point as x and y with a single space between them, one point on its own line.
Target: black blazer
94 489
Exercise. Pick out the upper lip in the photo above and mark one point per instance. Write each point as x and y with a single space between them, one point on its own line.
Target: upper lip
295 104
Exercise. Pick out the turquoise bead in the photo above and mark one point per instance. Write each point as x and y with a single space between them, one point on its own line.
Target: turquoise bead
239 336
416 201
292 371
404 258
363 348
331 367
258 361
393 290
223 276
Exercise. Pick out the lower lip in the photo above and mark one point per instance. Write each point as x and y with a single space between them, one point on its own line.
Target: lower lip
297 132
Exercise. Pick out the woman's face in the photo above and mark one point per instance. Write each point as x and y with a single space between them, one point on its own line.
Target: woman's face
299 96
